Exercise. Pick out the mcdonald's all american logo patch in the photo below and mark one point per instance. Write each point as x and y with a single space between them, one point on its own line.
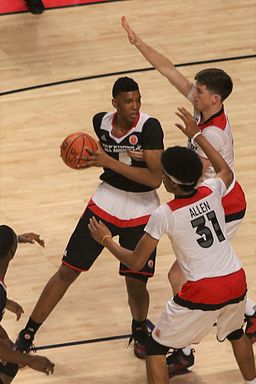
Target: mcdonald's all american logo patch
150 263
133 139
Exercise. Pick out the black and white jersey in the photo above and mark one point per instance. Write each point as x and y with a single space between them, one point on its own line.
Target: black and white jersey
146 134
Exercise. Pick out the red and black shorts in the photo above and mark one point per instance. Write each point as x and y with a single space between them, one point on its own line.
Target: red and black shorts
82 250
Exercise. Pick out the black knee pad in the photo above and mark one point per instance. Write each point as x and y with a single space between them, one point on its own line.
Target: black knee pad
154 348
235 335
9 369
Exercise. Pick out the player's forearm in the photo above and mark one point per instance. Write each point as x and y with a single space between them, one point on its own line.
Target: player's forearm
219 164
139 175
165 67
125 256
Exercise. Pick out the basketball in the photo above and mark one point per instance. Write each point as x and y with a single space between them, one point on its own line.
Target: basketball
74 146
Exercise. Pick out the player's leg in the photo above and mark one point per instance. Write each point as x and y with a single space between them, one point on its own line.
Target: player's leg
229 325
156 363
136 285
79 255
176 277
179 361
243 352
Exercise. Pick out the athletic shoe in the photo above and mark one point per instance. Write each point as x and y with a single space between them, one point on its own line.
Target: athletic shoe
139 336
35 6
178 363
24 342
250 329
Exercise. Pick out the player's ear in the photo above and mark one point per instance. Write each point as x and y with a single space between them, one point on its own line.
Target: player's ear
114 103
216 99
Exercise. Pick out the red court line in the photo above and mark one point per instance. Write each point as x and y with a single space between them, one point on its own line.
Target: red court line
9 6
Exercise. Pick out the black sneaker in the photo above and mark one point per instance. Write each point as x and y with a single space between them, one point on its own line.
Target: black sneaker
35 6
250 329
178 363
24 342
139 336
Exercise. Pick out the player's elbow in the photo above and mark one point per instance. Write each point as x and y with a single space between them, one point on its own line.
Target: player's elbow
155 182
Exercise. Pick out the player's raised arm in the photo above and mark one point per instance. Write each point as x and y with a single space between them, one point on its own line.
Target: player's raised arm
159 61
192 131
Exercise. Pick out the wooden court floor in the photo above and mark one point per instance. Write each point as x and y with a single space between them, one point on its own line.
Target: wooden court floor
38 192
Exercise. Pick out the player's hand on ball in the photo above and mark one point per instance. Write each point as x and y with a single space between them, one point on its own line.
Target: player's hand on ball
95 159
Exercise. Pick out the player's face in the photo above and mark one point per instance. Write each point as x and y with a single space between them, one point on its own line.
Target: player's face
203 99
127 105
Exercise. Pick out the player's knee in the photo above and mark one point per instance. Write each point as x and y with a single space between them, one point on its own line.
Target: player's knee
154 348
235 335
67 274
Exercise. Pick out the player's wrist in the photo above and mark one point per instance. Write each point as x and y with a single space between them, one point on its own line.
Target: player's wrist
198 133
104 239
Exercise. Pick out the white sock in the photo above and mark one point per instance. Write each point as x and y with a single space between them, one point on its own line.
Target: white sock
250 381
250 307
187 350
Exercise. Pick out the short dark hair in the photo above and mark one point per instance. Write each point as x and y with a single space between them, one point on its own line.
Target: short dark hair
216 80
7 237
184 164
124 84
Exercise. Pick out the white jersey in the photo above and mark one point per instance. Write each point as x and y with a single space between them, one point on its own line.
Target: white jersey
217 130
196 228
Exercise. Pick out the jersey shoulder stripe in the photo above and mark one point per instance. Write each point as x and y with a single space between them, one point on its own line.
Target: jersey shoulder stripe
202 192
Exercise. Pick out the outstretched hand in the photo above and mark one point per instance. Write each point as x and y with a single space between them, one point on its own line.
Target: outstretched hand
31 237
98 230
133 38
191 127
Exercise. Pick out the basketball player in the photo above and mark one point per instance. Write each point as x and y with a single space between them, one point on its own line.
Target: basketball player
215 288
125 199
212 87
10 359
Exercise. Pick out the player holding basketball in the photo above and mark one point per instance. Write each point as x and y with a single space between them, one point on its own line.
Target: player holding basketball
215 288
124 200
10 359
212 87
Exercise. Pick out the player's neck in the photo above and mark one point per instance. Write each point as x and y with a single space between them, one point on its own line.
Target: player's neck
121 126
209 112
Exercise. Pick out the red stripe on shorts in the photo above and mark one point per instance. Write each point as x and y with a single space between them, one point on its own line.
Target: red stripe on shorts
121 223
234 201
215 290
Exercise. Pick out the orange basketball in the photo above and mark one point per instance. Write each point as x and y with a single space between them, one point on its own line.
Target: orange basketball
74 146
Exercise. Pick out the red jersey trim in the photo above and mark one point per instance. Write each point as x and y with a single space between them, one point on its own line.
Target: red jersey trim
218 120
202 192
121 223
213 293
